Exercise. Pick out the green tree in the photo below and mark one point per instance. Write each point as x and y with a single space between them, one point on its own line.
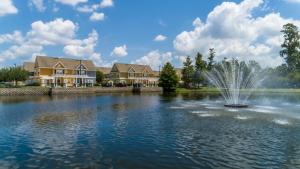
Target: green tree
211 57
99 77
200 67
200 64
290 46
188 72
168 79
13 74
4 74
18 74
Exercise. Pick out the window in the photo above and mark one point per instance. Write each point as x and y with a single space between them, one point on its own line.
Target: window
59 71
82 72
131 74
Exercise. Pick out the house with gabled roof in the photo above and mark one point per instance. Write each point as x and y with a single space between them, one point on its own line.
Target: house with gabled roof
131 74
64 72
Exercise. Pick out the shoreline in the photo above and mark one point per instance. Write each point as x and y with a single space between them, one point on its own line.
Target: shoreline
256 91
27 91
94 90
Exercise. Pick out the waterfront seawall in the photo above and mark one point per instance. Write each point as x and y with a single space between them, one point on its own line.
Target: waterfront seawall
24 91
62 91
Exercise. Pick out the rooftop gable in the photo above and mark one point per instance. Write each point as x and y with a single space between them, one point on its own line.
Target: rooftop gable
50 62
122 67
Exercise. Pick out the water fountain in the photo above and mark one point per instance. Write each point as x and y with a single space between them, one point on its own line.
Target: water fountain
235 81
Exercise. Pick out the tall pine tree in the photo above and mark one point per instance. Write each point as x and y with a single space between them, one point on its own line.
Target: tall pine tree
200 67
200 64
211 57
188 72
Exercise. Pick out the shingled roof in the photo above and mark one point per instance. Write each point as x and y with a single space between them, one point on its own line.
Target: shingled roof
28 66
104 70
50 62
122 67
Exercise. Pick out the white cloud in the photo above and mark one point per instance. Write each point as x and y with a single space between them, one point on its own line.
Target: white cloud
97 16
85 9
83 47
160 38
15 37
58 32
155 59
7 7
120 51
38 4
71 2
234 32
106 3
293 1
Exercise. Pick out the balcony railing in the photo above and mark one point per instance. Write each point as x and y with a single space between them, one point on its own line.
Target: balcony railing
73 76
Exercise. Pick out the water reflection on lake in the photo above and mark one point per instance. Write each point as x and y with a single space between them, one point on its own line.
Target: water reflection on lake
148 131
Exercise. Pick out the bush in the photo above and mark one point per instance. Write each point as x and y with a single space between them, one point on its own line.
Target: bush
34 84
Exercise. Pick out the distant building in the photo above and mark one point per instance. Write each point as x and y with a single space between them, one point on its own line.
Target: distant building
29 66
63 72
179 74
131 74
104 70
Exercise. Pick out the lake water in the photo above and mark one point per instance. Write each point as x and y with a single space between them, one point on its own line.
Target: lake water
148 131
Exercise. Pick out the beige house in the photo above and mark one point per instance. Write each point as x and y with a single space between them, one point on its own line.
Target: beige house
63 72
104 70
131 74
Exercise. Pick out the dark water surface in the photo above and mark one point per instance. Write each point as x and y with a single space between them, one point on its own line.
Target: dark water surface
148 132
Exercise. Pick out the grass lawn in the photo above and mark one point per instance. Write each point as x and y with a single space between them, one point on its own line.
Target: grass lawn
213 90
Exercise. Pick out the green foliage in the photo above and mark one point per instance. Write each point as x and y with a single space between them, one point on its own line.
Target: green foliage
4 75
200 66
211 57
34 84
99 77
13 74
188 72
290 47
168 79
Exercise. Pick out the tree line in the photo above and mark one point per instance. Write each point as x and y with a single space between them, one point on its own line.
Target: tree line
286 75
13 74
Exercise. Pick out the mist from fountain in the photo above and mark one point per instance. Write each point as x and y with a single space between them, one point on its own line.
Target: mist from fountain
235 81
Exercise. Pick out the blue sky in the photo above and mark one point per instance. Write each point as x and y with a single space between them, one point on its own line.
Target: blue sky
125 30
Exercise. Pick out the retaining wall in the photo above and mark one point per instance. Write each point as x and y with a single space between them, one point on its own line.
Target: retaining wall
24 91
58 91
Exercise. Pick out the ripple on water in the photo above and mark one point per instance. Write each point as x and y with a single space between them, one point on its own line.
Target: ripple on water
242 117
261 110
267 107
212 107
199 112
232 110
281 121
176 107
208 115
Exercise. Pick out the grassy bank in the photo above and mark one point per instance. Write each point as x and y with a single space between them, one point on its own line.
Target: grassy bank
215 90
